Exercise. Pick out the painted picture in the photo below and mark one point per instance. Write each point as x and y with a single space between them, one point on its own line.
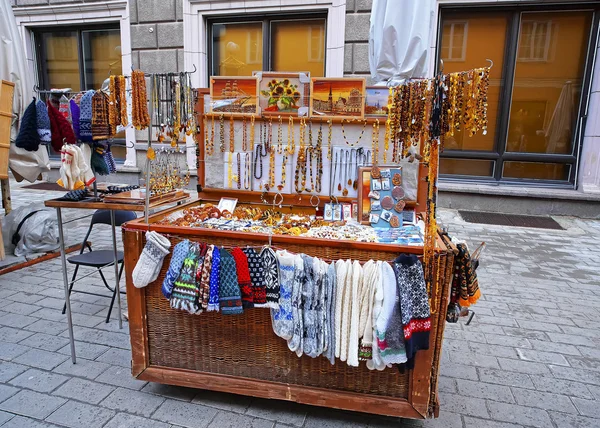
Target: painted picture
376 101
283 94
234 95
337 97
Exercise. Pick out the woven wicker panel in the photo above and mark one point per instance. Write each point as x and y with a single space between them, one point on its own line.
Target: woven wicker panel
246 346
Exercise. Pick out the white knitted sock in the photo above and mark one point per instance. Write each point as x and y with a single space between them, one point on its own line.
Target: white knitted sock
63 181
150 262
77 183
83 155
295 343
341 270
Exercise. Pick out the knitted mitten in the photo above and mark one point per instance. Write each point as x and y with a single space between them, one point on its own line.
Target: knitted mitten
257 278
243 277
271 275
150 262
180 251
85 117
389 323
330 309
204 278
295 343
230 300
202 250
213 293
281 317
28 137
43 122
185 292
309 316
64 108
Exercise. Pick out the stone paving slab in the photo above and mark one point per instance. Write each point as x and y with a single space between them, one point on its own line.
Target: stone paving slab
531 357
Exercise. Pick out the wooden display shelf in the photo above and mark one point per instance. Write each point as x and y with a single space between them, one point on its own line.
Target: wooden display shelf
101 205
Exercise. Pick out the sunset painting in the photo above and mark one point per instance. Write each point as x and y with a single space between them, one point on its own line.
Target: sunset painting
235 95
337 97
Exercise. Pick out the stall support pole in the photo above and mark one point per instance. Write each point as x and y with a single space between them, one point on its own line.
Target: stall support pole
116 265
63 260
151 114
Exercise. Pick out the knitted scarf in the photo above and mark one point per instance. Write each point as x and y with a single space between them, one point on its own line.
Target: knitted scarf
85 116
257 278
204 278
185 292
28 137
43 122
465 286
230 300
414 303
243 277
213 297
180 251
271 275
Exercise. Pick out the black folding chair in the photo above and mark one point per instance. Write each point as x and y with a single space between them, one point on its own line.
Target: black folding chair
99 258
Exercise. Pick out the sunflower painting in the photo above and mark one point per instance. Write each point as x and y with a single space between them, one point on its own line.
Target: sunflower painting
283 93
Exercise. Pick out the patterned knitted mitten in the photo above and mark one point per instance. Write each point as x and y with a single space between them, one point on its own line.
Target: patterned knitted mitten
281 317
185 292
230 299
213 292
309 316
271 277
295 343
243 277
257 277
150 262
203 277
179 252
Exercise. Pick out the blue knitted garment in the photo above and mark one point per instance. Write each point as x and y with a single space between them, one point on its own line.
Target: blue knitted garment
179 253
28 137
213 297
85 116
43 122
75 113
230 297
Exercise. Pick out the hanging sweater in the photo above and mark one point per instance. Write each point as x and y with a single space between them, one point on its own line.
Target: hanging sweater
414 303
330 300
375 363
389 323
281 317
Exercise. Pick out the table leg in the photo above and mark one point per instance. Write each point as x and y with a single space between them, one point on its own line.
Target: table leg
116 259
63 260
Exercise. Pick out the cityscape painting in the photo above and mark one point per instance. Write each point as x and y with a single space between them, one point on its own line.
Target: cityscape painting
376 101
337 97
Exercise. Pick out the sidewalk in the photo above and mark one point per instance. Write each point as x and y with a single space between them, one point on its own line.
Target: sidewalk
531 357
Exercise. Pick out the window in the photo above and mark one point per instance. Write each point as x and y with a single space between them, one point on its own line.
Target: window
270 43
535 97
80 58
454 41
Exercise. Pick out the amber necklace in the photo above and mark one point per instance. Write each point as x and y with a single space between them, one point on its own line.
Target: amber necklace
359 137
244 135
279 137
300 173
252 132
291 145
231 134
329 154
230 171
283 171
222 133
375 142
239 170
247 171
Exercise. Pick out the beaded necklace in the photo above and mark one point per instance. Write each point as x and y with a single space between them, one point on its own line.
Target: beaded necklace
239 170
244 135
230 171
300 173
222 133
279 137
329 148
231 134
283 171
258 155
375 142
252 132
291 144
319 155
247 170
359 137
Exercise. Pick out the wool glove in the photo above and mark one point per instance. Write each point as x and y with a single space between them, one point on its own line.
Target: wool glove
150 262
179 252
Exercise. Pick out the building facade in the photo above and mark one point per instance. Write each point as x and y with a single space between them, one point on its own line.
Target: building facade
543 138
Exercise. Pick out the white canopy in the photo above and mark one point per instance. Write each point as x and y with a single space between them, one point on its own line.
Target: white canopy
399 39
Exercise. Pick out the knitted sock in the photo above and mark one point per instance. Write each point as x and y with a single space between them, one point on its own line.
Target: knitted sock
389 323
243 277
330 309
85 116
150 262
365 327
28 137
63 181
64 108
68 162
185 293
281 317
213 297
295 343
257 278
204 278
180 251
271 275
230 300
43 122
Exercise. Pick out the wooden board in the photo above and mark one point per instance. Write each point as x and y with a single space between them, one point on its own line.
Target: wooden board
138 197
6 115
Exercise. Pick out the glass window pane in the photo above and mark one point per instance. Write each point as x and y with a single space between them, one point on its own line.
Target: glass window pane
536 171
548 80
299 46
237 49
481 168
101 55
61 60
468 39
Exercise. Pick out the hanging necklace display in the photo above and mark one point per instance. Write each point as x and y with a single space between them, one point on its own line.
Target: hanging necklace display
230 171
222 133
329 133
140 118
258 155
359 137
279 137
244 135
231 134
318 151
300 173
247 171
239 170
291 144
252 133
165 175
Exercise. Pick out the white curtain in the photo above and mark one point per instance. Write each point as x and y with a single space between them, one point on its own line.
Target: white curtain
13 67
399 39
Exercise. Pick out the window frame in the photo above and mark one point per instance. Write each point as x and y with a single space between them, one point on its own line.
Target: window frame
498 154
40 53
463 50
266 19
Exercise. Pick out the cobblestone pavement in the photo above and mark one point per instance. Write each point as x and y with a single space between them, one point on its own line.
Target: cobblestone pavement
531 357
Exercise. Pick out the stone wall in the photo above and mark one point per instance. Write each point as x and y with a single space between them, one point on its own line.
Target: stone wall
157 35
356 52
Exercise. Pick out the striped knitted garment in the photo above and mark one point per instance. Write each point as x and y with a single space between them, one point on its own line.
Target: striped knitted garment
281 317
243 277
43 122
204 278
257 278
213 292
414 303
271 276
203 249
185 292
85 116
180 251
230 300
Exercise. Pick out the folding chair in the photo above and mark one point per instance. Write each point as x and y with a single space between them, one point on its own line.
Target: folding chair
99 258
